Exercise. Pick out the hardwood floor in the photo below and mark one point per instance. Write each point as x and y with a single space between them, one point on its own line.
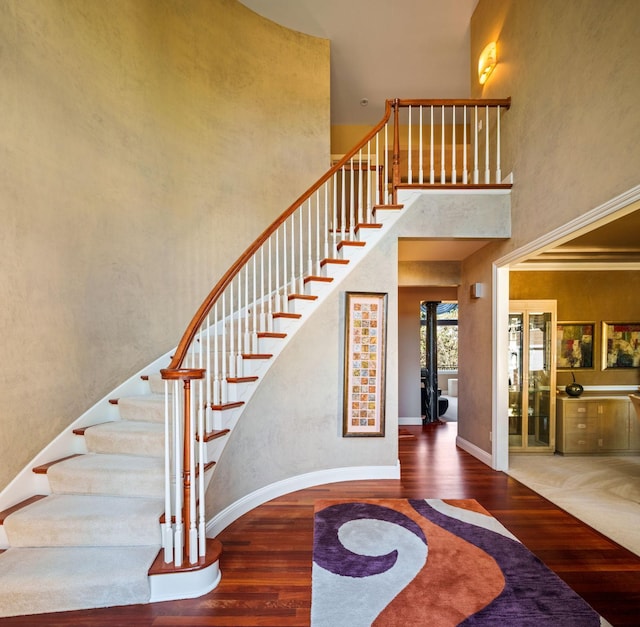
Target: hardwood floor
266 564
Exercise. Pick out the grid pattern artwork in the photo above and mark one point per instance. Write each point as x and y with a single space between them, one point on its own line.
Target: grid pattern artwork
364 364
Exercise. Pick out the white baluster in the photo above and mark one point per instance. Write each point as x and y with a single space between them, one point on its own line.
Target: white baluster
217 386
270 287
292 281
167 531
443 173
209 380
465 175
232 335
278 302
352 205
409 152
360 190
254 329
334 180
224 374
301 256
498 168
201 533
317 232
343 209
476 173
420 157
193 532
454 175
368 217
432 167
487 171
178 541
326 226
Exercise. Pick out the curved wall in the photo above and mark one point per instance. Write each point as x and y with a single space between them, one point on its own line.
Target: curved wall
144 144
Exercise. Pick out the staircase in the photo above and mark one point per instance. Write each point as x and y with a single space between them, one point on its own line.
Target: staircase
123 519
93 540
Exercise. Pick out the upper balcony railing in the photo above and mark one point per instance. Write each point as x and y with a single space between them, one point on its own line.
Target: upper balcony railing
433 143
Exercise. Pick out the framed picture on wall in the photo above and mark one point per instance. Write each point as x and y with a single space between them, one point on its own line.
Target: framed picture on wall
576 342
620 345
364 364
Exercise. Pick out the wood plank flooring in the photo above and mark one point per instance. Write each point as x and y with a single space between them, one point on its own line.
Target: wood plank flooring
266 564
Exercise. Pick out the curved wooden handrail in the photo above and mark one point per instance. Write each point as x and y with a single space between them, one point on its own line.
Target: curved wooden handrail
233 271
240 263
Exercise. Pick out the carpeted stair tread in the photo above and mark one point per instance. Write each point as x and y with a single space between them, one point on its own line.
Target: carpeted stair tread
80 520
38 580
126 437
142 408
98 473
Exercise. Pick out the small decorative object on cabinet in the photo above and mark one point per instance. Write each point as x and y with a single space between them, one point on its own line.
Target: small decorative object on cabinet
574 389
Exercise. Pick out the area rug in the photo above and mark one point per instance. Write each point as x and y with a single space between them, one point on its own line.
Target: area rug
406 562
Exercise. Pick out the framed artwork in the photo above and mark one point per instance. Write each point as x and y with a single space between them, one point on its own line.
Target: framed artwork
620 345
575 345
364 364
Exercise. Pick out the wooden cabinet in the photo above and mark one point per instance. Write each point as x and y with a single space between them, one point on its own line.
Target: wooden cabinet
596 425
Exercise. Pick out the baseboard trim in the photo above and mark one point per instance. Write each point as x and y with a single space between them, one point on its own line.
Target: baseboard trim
308 480
410 420
184 585
474 450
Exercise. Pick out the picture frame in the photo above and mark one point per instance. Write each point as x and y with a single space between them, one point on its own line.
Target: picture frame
620 345
575 345
364 364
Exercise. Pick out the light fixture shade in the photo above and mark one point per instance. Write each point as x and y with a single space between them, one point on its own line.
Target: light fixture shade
487 62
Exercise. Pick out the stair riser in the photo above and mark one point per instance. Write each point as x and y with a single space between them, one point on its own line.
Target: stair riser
147 445
148 482
301 306
89 532
55 579
142 410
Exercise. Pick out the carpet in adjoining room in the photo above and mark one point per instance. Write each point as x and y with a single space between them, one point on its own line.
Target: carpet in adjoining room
432 562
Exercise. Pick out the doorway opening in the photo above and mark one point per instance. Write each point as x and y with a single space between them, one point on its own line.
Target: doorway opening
439 352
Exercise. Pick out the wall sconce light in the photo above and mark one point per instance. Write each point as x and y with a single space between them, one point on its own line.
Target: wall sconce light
487 62
476 290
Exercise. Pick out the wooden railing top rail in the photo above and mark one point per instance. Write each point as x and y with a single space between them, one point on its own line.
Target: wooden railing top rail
499 102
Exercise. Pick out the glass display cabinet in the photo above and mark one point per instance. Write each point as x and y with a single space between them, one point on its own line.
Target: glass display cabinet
532 376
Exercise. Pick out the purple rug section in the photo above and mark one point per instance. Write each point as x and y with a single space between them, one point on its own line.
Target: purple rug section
533 594
328 551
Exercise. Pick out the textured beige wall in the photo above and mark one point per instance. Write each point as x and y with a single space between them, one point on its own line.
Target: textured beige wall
144 144
570 138
588 297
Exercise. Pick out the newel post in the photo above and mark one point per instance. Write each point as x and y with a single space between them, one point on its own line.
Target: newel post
395 168
186 375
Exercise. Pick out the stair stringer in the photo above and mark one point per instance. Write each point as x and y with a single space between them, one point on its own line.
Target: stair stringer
461 214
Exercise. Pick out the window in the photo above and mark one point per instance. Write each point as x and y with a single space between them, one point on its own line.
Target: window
447 320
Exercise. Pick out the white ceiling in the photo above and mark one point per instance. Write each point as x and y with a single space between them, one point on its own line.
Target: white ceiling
383 49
